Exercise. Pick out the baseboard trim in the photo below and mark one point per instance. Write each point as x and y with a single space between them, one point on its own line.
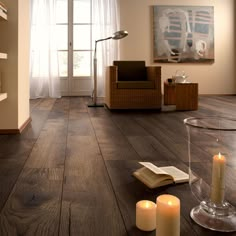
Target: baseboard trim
16 131
228 94
25 124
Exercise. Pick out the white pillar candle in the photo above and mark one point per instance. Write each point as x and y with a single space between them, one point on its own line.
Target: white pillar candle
218 179
146 215
168 216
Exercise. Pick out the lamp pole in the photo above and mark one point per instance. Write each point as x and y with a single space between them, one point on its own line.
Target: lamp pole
95 104
117 35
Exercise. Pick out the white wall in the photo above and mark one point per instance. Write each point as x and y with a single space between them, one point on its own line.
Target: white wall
23 60
216 78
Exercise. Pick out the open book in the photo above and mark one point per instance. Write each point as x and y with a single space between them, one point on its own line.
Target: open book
154 176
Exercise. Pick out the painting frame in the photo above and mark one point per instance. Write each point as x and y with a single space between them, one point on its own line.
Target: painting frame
183 34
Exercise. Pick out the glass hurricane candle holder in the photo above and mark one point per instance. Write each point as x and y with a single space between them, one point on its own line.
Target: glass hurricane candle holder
212 171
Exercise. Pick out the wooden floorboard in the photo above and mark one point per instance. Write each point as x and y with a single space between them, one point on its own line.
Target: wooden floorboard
88 201
70 171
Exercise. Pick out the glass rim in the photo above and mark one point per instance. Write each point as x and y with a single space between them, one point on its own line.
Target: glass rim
187 121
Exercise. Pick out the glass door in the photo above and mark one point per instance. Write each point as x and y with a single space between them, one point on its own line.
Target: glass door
74 47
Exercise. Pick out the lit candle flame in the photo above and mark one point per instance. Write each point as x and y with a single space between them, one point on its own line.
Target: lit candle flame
169 203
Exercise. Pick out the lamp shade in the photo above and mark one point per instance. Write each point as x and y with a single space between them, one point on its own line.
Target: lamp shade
120 34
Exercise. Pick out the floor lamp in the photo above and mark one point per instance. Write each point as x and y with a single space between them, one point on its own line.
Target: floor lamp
117 35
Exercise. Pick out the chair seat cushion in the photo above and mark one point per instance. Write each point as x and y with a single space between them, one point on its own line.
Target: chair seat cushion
135 84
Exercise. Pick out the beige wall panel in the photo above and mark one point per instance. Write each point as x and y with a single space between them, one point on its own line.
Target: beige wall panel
14 40
9 68
23 61
216 78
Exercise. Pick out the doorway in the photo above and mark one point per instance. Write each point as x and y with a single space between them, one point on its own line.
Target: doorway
74 33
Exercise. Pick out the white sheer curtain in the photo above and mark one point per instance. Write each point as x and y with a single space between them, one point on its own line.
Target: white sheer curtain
44 74
105 22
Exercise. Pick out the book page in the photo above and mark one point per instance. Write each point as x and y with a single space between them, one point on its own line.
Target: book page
153 168
178 175
151 179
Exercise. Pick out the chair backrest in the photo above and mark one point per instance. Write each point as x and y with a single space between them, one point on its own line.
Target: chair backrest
131 70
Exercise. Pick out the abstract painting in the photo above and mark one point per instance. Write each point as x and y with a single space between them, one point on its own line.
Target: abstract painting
183 34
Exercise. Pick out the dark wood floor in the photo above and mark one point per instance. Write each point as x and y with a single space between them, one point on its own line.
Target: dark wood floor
70 171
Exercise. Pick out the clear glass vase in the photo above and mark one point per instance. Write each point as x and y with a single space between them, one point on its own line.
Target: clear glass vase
212 170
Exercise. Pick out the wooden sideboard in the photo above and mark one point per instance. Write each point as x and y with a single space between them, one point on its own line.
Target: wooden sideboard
183 95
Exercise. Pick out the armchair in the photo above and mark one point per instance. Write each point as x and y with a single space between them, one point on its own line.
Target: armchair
132 85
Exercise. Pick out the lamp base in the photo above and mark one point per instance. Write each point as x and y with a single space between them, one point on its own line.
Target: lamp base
222 223
95 105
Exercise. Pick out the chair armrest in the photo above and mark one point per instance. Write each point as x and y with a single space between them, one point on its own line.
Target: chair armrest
111 76
154 73
112 73
110 83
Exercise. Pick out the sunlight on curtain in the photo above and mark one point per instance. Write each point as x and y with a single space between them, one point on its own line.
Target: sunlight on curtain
44 74
106 21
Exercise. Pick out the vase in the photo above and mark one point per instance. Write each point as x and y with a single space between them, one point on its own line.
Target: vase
212 171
